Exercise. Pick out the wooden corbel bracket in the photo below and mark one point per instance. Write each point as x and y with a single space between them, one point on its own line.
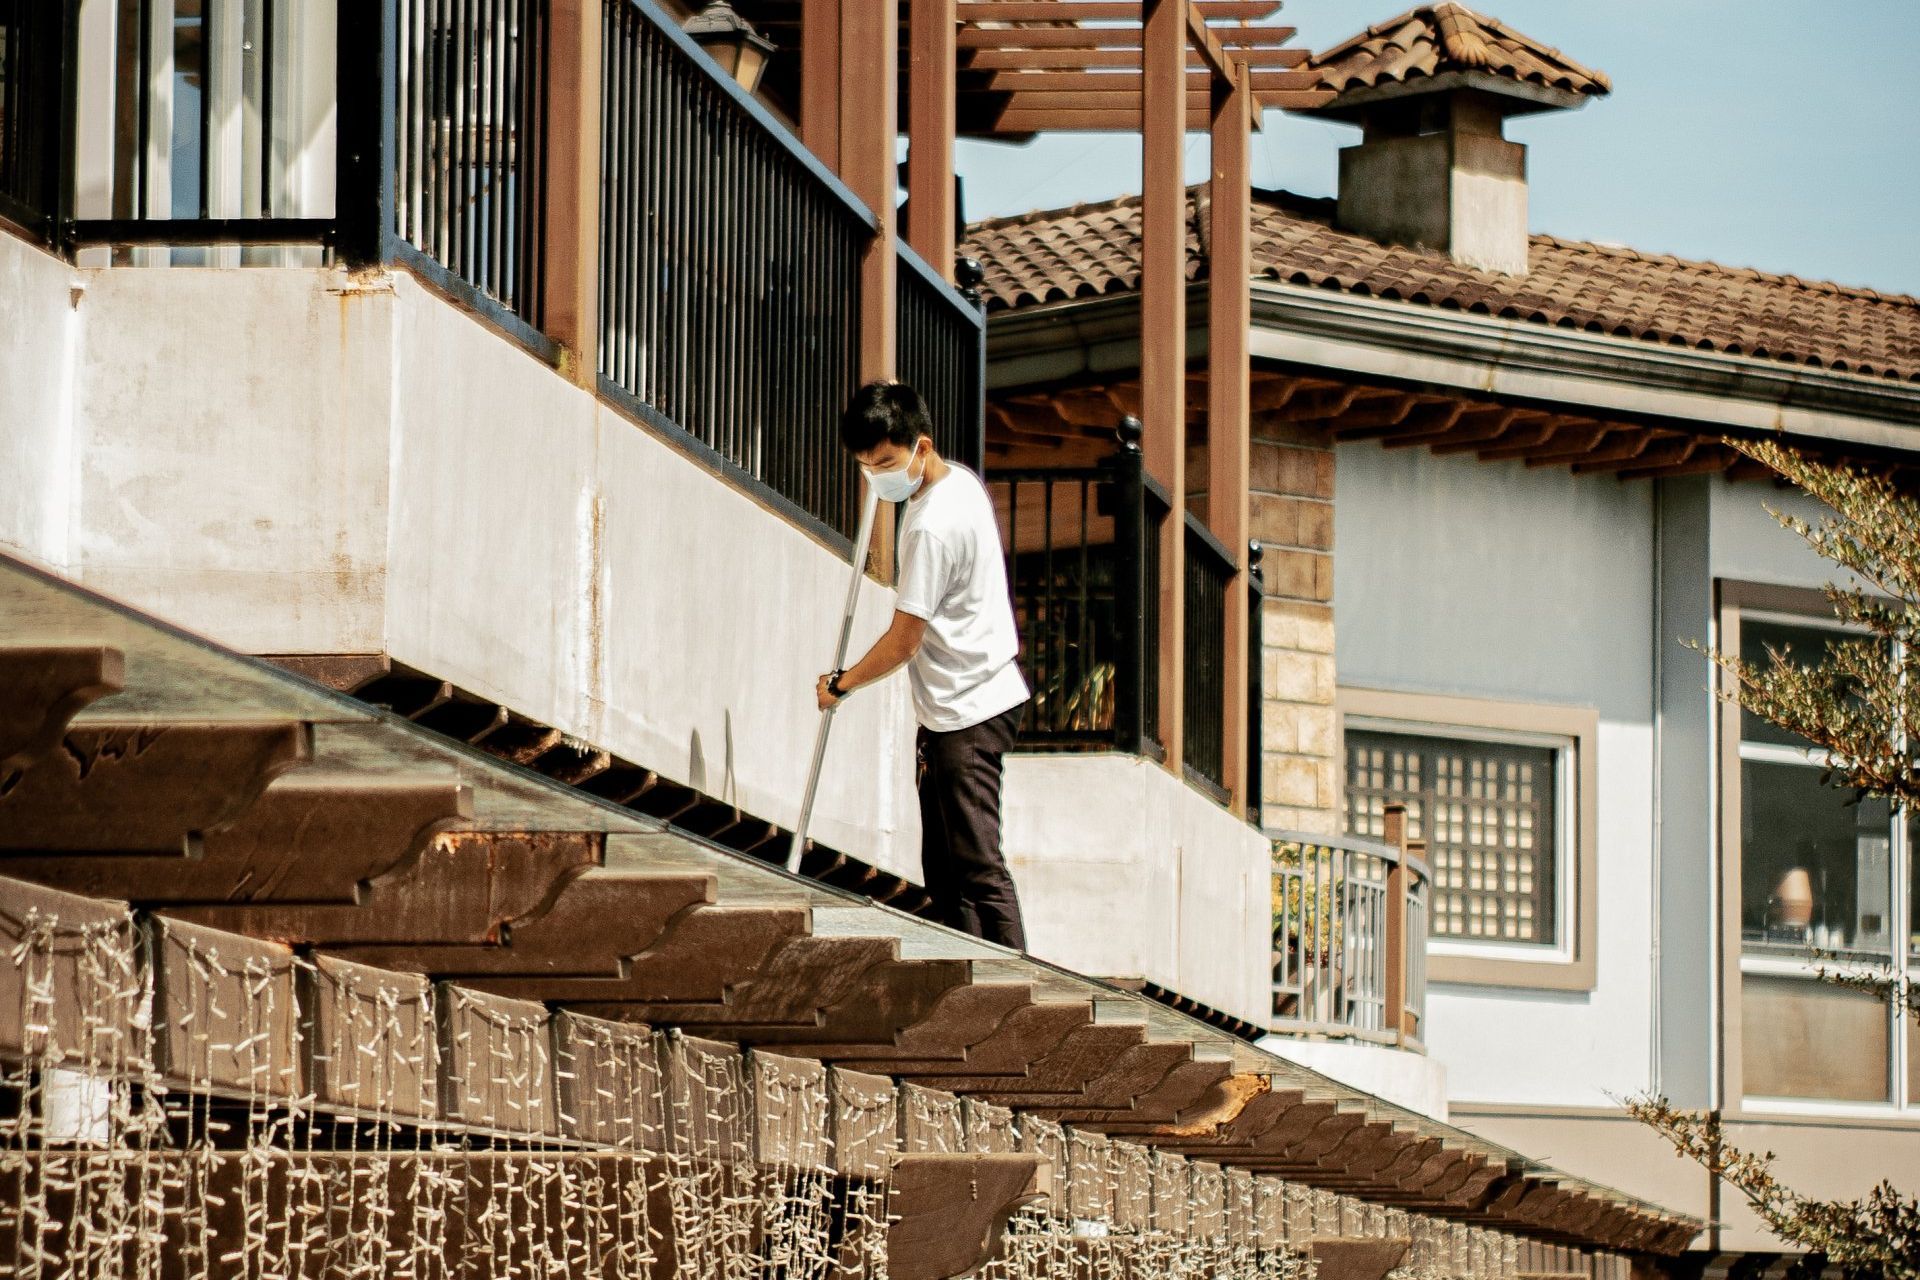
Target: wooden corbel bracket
1356 1258
948 1211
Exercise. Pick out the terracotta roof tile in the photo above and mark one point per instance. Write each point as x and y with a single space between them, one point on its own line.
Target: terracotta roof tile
1093 249
1434 39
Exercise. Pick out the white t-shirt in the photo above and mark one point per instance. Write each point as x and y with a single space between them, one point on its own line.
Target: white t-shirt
952 574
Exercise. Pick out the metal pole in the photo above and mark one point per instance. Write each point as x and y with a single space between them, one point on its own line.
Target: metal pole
860 541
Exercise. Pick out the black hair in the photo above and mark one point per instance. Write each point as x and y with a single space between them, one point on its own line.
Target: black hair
884 411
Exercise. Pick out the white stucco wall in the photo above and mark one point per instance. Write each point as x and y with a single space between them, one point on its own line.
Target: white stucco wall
1416 1081
1455 576
1750 545
36 318
1125 871
289 461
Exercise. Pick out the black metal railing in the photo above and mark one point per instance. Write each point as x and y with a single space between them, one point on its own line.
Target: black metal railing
1210 570
1082 547
729 268
1256 668
940 346
33 60
470 106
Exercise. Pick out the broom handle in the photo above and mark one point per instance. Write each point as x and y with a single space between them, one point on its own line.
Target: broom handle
868 505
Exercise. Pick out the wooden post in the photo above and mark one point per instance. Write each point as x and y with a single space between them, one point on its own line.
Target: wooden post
869 124
1163 330
930 128
820 79
869 107
1395 829
1229 264
571 287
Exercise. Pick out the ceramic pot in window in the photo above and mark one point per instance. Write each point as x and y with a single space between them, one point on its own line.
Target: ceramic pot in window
1791 903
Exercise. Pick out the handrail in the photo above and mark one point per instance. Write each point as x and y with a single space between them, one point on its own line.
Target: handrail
1358 844
934 280
939 349
1349 935
774 126
1197 529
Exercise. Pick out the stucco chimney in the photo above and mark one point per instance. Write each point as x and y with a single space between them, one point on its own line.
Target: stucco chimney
1431 91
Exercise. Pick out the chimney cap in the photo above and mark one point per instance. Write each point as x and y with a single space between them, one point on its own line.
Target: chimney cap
1439 48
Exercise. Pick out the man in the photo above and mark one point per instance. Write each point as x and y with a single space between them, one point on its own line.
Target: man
953 630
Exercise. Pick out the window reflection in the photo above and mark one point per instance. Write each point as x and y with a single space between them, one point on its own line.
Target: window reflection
1815 864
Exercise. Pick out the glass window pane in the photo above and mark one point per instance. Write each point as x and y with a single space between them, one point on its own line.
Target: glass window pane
1800 645
1913 905
1815 870
1803 1038
1488 813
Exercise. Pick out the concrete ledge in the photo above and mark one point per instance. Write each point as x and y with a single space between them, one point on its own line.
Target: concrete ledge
1124 869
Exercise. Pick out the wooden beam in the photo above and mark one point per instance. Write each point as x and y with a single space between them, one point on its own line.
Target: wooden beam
869 127
947 1212
1163 123
139 789
1514 434
1316 404
42 688
1105 10
1203 42
1021 123
570 286
1128 59
1569 438
1480 422
820 78
1094 80
1068 101
1110 37
931 109
1229 398
311 836
1356 1258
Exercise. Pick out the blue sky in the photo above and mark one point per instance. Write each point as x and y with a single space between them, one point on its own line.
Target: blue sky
1778 134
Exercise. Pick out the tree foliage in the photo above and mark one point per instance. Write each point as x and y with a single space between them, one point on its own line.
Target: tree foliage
1859 702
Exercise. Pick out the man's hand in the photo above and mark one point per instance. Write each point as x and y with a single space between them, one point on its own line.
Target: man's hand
889 653
821 695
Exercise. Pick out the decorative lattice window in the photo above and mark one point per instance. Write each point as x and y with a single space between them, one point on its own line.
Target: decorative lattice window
1487 813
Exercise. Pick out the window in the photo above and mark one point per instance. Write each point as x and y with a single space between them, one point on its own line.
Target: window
1488 813
1823 879
1503 796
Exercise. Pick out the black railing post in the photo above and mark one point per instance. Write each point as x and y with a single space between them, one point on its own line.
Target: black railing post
970 275
1256 593
60 183
364 129
1130 603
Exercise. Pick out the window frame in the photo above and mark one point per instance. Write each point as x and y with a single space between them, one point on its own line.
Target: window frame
1571 963
1807 607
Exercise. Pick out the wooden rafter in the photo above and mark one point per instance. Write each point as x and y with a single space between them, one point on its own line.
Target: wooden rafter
1235 37
1123 59
1105 10
1082 416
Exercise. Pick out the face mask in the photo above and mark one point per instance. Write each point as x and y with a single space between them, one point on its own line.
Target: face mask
897 486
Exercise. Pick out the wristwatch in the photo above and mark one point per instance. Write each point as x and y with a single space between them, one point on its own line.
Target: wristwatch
833 684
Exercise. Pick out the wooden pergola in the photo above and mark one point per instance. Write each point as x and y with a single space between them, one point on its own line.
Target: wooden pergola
854 70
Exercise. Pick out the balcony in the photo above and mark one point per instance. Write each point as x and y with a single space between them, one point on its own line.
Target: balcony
698 268
1084 566
1349 960
1162 847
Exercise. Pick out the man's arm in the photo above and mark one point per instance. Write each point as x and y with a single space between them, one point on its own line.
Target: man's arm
889 653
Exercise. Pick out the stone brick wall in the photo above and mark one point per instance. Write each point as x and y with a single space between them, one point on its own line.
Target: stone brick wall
1292 519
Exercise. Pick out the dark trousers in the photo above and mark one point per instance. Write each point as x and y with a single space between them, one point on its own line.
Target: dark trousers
960 829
